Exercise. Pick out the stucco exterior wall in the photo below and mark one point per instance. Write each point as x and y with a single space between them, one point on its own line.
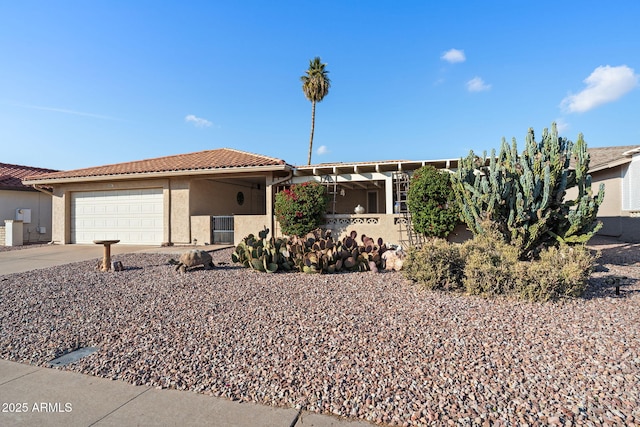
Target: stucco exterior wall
612 180
209 197
201 229
616 222
40 205
610 210
244 225
59 215
180 216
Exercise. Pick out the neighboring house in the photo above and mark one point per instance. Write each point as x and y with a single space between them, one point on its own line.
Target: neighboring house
619 169
221 195
21 202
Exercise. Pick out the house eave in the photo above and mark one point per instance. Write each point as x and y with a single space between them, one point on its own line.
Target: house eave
162 174
609 165
13 188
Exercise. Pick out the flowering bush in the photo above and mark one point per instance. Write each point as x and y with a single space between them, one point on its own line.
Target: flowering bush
301 208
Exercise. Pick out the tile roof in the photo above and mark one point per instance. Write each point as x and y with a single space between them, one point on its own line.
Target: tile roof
11 176
221 158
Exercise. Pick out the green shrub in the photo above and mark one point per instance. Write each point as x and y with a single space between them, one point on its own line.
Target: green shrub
491 266
559 272
432 202
300 209
437 265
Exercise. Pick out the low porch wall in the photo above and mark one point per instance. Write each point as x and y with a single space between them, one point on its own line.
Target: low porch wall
372 225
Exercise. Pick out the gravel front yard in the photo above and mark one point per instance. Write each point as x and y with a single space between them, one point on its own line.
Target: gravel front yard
360 345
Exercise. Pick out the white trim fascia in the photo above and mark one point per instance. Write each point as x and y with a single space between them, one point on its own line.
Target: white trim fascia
345 177
610 165
163 174
391 166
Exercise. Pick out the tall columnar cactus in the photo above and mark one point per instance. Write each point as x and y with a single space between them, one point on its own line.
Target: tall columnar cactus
523 195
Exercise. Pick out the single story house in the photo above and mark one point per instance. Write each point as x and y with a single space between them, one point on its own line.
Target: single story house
217 196
20 202
167 200
221 195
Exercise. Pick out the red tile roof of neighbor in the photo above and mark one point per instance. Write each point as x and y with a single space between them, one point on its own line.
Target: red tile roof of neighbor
11 176
221 158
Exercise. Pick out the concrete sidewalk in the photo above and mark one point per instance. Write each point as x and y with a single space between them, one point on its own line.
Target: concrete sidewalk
34 396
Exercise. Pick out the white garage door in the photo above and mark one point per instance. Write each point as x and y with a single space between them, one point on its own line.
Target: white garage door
131 216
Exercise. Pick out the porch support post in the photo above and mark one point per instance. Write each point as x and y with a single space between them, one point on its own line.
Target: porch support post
388 191
269 202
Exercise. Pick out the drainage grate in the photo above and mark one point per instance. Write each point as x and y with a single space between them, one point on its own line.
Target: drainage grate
73 356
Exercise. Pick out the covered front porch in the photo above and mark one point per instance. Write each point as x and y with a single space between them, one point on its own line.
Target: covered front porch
369 198
216 203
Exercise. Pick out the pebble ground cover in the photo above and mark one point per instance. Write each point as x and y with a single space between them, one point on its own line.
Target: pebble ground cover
360 345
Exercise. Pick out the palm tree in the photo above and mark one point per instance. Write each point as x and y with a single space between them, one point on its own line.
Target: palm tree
315 85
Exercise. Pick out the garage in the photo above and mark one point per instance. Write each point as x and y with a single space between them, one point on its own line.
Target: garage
131 216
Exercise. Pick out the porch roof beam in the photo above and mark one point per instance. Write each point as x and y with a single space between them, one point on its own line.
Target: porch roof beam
379 167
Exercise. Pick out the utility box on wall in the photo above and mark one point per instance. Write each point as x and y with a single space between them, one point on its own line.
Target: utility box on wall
23 215
13 232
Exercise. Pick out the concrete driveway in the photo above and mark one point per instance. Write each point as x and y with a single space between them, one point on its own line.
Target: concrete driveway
27 259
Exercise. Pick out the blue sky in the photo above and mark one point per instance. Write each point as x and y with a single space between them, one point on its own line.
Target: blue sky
86 83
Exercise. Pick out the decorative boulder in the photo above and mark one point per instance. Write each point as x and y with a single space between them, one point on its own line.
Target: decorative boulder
394 259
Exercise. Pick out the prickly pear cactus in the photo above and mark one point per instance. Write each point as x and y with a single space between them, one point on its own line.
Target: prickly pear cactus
262 254
316 252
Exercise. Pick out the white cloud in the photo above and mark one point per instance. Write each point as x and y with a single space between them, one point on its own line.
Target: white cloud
562 125
322 150
66 111
197 121
605 84
476 84
453 56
